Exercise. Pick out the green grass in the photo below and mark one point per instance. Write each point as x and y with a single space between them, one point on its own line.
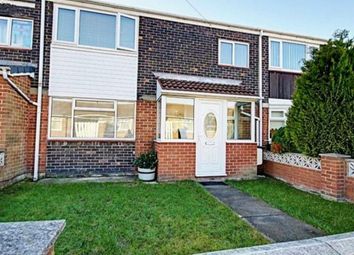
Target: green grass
134 218
331 217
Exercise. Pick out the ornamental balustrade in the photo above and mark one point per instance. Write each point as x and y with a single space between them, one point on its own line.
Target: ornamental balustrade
294 159
351 168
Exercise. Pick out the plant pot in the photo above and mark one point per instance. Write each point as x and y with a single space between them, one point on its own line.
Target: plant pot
146 174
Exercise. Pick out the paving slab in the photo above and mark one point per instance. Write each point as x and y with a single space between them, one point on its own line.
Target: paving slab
342 244
32 237
272 222
99 179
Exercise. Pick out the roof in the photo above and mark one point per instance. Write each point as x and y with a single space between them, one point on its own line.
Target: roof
188 19
204 87
17 67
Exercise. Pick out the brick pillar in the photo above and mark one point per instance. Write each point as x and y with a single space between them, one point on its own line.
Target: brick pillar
333 167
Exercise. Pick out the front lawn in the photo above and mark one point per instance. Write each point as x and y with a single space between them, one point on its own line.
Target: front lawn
331 217
135 218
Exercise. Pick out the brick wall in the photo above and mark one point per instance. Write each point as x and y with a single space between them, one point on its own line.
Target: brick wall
145 125
349 191
305 178
167 46
14 124
331 181
176 161
81 158
265 125
241 160
32 116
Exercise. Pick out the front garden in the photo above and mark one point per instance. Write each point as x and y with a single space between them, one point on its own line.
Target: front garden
329 216
179 218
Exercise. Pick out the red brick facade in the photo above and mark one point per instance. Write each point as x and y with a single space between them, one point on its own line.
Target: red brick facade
146 117
265 125
331 180
14 124
241 160
176 161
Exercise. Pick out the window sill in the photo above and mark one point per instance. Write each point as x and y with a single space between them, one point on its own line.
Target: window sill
239 67
284 70
175 141
8 47
71 46
52 139
240 141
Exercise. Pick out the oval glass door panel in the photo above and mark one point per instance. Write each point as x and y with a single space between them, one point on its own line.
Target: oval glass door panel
210 125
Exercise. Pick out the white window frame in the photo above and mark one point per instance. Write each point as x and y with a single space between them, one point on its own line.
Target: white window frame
76 42
233 53
8 42
253 122
73 108
280 68
284 118
163 121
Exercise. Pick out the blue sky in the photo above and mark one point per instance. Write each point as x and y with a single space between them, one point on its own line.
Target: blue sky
319 18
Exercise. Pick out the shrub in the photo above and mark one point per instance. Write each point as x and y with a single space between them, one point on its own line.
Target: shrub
321 119
281 141
146 160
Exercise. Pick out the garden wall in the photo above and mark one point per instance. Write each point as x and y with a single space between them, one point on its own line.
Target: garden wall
330 175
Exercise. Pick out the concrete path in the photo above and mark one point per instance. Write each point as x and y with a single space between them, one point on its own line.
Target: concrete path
342 244
273 223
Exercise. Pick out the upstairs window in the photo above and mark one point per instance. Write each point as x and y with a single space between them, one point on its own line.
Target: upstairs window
234 53
16 32
289 56
96 29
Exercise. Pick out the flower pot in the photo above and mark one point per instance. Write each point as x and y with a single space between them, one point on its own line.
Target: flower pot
146 174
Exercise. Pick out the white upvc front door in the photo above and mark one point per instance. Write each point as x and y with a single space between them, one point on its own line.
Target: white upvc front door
210 138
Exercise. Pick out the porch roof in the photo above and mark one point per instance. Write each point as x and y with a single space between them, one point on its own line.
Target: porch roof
202 85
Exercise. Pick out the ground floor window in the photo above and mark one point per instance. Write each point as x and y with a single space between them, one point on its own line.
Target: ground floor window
92 119
239 121
179 118
277 119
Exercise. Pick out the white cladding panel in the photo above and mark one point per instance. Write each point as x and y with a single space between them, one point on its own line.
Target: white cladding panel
95 74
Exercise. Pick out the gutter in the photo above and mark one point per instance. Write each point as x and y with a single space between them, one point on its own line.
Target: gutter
15 87
39 95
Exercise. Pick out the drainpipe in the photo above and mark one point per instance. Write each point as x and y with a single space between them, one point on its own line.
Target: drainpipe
39 94
260 86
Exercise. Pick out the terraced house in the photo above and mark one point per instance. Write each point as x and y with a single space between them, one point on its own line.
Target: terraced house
88 85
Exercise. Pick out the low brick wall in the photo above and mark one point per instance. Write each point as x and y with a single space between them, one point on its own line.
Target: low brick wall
241 160
14 125
176 161
305 178
349 192
331 179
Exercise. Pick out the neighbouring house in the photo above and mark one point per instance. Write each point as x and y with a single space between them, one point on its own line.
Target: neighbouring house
117 81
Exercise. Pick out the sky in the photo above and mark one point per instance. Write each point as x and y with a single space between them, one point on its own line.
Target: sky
318 18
